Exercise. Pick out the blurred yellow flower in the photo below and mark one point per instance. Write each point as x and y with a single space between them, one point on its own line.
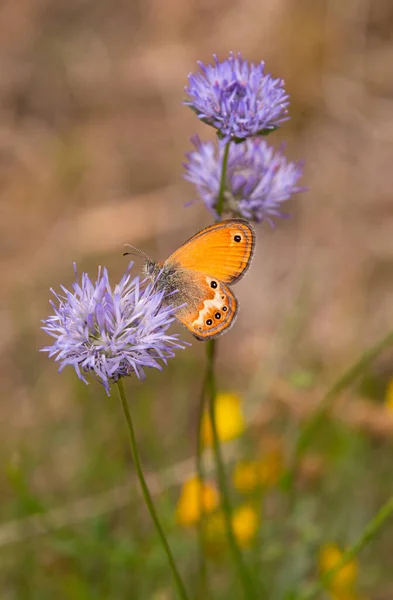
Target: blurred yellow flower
271 464
389 395
245 521
246 476
342 583
188 510
265 471
229 418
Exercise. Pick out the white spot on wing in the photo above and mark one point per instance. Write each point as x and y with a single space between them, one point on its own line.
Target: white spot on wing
208 304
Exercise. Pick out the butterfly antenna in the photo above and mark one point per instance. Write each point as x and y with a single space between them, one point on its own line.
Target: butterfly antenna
135 252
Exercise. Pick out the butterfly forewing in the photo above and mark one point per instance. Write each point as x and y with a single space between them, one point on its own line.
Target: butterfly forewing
223 250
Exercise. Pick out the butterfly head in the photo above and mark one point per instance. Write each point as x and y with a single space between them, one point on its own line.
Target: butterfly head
151 269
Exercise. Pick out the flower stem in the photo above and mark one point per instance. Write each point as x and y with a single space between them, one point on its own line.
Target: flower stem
209 373
369 532
146 494
209 388
202 583
225 500
220 200
343 382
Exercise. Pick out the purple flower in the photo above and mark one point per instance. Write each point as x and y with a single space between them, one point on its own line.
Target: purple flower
237 98
109 332
258 178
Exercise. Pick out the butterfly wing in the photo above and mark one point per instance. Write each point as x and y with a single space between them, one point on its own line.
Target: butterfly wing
209 309
223 250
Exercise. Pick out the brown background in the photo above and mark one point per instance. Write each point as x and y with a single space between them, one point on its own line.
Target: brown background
93 134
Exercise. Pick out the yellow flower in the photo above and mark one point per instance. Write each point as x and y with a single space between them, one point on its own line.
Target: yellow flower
389 396
229 418
246 477
271 464
245 522
188 510
342 583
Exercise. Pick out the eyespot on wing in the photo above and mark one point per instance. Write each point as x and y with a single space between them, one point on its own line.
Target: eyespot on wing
223 250
214 314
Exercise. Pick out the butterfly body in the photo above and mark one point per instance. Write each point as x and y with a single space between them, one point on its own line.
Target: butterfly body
195 277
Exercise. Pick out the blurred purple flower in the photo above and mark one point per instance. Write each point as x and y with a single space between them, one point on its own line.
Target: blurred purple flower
237 98
258 179
110 333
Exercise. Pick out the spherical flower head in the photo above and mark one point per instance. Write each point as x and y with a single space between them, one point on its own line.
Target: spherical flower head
110 333
237 97
258 178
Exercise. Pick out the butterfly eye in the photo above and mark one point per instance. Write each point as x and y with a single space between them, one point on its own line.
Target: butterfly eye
217 315
209 322
224 308
213 284
238 238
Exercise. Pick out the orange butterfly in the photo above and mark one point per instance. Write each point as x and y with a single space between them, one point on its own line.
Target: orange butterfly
195 276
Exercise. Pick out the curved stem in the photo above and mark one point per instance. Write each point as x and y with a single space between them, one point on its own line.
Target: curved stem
225 500
202 587
343 382
146 494
369 532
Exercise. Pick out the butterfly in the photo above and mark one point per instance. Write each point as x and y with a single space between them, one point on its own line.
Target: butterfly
196 277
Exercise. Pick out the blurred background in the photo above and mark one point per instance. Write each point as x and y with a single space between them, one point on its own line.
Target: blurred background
92 139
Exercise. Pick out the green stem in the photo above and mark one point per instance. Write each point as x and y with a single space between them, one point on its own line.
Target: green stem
202 583
146 494
209 373
210 387
220 200
345 380
225 500
368 534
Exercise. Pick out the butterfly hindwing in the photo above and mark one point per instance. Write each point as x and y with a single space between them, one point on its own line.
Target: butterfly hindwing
211 311
223 250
